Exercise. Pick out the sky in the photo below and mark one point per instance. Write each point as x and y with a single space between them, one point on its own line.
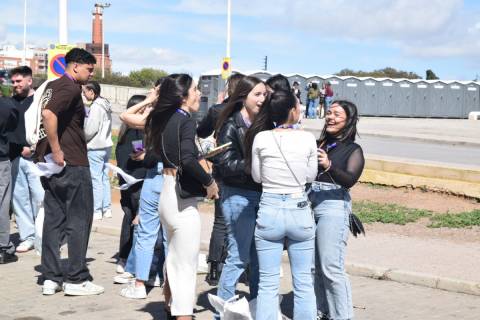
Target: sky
298 36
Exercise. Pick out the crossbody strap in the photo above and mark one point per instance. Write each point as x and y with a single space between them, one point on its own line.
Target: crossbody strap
178 168
285 159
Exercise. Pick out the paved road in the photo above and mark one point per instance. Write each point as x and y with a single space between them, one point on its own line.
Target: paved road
421 151
21 299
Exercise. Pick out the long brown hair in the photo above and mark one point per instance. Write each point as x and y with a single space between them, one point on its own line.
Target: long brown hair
235 102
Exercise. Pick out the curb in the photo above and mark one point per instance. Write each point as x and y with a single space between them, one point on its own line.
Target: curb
370 271
444 141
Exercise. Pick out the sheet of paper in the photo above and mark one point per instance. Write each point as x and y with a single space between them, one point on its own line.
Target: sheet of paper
129 180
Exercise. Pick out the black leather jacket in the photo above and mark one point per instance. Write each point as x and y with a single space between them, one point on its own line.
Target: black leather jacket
231 163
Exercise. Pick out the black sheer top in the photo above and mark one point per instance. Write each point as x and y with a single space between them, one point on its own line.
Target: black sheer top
347 163
181 128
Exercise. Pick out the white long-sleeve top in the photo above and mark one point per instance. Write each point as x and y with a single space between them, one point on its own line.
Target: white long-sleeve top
269 167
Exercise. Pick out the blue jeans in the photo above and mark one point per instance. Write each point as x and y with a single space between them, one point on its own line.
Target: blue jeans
332 206
239 208
27 197
147 231
279 217
328 103
312 108
97 159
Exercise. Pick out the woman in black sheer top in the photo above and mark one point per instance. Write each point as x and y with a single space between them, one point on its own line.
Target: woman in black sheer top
171 130
340 164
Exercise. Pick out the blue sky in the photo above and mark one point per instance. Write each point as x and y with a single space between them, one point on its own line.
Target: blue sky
312 37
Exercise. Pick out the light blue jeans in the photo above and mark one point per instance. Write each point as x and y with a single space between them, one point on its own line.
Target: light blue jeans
312 108
332 206
280 218
97 159
328 102
239 207
27 198
146 233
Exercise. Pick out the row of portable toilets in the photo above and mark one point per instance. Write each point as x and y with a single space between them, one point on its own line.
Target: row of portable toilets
383 97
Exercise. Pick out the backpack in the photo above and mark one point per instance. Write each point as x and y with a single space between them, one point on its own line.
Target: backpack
34 130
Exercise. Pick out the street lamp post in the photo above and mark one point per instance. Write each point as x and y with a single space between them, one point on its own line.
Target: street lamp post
62 22
24 60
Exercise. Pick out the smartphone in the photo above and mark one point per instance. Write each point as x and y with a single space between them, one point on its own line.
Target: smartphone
137 146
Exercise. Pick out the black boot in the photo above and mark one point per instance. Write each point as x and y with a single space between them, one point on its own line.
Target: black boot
213 273
6 257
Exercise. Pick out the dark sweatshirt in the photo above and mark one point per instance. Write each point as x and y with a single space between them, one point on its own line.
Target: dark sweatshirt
8 123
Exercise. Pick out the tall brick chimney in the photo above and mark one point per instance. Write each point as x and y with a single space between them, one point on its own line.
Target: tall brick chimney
97 25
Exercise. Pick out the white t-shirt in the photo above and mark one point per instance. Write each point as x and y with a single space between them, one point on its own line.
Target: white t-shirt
269 167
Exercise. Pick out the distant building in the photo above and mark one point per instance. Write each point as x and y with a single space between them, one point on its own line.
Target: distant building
95 47
36 58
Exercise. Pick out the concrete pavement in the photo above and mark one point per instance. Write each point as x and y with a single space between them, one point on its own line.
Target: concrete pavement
432 263
21 298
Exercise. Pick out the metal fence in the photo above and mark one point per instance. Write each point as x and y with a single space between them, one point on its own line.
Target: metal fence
377 96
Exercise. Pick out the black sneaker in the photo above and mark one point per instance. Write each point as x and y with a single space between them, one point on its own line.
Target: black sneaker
6 257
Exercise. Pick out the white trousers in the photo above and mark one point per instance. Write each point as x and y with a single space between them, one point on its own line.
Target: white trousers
182 220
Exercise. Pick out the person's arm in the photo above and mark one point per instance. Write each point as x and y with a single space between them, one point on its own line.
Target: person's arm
256 164
93 122
189 155
135 116
312 164
355 164
230 162
207 125
50 124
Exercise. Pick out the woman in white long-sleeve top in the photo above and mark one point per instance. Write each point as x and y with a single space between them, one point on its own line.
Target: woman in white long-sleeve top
98 133
283 160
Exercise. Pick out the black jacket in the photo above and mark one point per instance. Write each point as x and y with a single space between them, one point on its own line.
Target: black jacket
207 125
8 123
231 163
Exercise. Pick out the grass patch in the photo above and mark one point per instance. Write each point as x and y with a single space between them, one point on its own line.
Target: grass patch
115 141
370 212
456 220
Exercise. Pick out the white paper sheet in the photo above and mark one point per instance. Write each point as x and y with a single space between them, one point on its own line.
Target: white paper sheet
129 180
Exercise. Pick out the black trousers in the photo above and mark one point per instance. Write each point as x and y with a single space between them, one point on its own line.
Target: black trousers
68 207
217 251
130 202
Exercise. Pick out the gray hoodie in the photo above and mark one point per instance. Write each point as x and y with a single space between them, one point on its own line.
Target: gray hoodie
98 125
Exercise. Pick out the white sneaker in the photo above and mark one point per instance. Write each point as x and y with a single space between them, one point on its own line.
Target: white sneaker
25 246
86 288
134 292
123 278
50 287
107 213
97 215
120 266
154 282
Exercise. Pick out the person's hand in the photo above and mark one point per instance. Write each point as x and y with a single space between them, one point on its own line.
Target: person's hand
220 97
26 152
57 157
212 191
323 158
152 96
138 156
147 110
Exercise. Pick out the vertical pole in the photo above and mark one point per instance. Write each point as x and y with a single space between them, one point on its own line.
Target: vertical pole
24 60
229 26
103 46
62 22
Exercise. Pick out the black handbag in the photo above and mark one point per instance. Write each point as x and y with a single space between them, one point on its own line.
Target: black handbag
186 186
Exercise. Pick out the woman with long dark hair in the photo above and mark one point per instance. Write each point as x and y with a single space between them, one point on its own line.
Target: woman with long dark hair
283 160
240 194
98 133
340 164
170 130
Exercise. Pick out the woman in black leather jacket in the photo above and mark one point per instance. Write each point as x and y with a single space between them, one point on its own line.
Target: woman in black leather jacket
240 195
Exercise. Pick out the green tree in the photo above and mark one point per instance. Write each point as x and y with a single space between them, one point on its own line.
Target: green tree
430 75
379 73
147 76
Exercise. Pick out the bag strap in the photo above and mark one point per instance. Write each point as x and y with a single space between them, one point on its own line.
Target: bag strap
285 159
